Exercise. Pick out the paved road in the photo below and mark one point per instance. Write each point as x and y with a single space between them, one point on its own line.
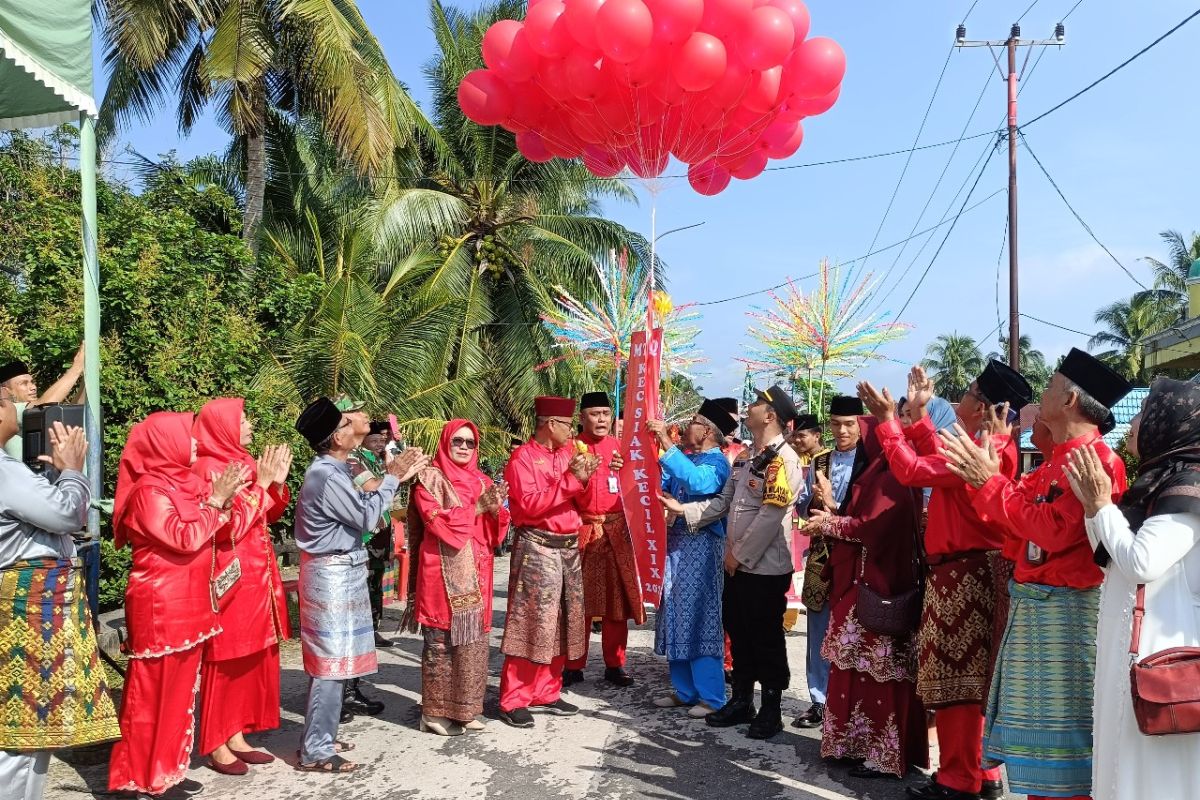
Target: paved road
619 746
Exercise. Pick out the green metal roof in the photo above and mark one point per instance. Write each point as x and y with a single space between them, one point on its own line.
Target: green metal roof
1194 272
45 62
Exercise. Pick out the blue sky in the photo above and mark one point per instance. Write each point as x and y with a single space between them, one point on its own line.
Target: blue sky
1124 155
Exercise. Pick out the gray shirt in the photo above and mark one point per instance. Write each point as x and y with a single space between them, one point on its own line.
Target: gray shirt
331 514
757 509
37 517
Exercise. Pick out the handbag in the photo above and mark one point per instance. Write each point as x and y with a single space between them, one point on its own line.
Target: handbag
220 585
898 614
1164 686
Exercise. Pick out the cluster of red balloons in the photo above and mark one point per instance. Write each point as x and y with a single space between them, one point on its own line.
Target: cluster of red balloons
722 85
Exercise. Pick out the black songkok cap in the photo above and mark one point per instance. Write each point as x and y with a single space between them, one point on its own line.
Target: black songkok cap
845 406
319 421
381 427
1094 377
717 414
1000 383
595 400
13 369
807 422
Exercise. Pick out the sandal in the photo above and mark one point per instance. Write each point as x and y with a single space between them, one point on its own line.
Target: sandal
333 764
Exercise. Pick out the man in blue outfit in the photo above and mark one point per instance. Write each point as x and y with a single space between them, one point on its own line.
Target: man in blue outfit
688 629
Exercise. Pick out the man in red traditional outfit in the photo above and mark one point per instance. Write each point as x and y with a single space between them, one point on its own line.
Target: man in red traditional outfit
956 642
545 624
1039 711
611 589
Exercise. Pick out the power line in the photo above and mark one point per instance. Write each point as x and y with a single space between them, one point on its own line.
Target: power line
851 261
1056 325
1072 11
1114 70
1071 208
1027 10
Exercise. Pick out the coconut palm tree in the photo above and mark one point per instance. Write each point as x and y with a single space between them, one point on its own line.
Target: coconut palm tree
1128 323
953 361
506 229
1172 275
1033 362
246 57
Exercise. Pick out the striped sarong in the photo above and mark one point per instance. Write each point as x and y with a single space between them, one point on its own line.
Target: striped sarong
53 692
1039 712
336 633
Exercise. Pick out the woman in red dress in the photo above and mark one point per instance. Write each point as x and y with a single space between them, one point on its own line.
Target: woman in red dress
239 687
456 520
172 518
872 713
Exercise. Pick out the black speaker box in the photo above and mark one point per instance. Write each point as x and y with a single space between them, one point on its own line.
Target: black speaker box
36 425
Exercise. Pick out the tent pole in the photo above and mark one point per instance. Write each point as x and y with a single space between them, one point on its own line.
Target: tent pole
91 316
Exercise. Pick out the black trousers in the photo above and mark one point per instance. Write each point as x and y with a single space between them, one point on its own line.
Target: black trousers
753 607
379 556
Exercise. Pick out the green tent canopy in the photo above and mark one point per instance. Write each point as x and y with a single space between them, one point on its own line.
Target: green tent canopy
45 62
46 79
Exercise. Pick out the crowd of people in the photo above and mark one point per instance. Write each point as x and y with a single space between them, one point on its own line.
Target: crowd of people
937 580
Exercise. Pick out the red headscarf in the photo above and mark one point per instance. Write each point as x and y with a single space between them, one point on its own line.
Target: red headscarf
467 480
218 433
158 453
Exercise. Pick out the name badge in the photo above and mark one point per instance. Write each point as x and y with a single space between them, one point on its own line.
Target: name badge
614 487
1034 554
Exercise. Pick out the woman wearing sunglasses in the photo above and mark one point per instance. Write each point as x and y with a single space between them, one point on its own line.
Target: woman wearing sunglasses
456 520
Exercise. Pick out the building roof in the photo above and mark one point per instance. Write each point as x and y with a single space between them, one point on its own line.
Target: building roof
1124 412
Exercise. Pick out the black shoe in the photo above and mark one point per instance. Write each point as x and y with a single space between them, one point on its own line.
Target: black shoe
518 717
729 676
992 790
572 677
739 710
871 774
813 718
769 720
617 676
559 708
347 714
189 786
596 626
359 703
932 790
381 641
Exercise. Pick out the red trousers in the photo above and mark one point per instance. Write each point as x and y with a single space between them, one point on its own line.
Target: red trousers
239 695
157 723
960 741
525 683
613 638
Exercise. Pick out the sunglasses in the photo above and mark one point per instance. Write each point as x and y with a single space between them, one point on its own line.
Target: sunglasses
459 441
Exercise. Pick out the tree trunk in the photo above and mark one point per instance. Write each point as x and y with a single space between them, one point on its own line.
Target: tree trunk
256 181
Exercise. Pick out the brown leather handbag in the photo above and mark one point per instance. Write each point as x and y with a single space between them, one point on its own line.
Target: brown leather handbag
1165 686
898 614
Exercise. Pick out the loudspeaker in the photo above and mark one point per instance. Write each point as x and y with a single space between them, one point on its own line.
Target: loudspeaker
35 429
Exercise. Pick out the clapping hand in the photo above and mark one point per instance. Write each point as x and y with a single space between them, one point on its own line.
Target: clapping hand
920 388
405 466
617 462
274 465
967 460
226 484
583 466
995 420
490 500
68 448
879 404
1090 483
823 492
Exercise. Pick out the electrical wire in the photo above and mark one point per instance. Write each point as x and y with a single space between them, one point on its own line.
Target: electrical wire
1027 10
1075 213
1072 11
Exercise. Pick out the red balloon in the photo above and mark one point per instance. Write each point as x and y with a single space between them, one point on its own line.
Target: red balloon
696 145
547 30
816 68
602 163
531 145
797 12
529 107
616 114
645 69
584 76
752 167
703 115
553 79
667 90
722 17
708 178
586 128
675 20
484 97
701 63
782 139
580 16
764 96
811 108
561 141
649 162
766 38
732 87
506 51
624 29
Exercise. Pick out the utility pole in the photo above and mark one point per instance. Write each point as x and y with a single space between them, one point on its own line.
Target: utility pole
1011 44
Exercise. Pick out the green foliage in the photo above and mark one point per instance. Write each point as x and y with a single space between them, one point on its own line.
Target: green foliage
953 361
114 574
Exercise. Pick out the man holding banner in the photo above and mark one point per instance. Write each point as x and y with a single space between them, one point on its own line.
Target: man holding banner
688 628
611 589
545 625
756 501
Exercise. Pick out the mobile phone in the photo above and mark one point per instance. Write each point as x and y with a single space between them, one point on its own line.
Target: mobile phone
1013 414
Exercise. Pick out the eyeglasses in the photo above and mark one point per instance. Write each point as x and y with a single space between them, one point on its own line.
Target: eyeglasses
459 441
695 422
561 422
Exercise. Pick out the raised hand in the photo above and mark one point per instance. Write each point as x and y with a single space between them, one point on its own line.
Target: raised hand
974 464
995 420
68 448
267 465
879 404
406 465
920 388
1090 483
823 490
228 483
284 467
